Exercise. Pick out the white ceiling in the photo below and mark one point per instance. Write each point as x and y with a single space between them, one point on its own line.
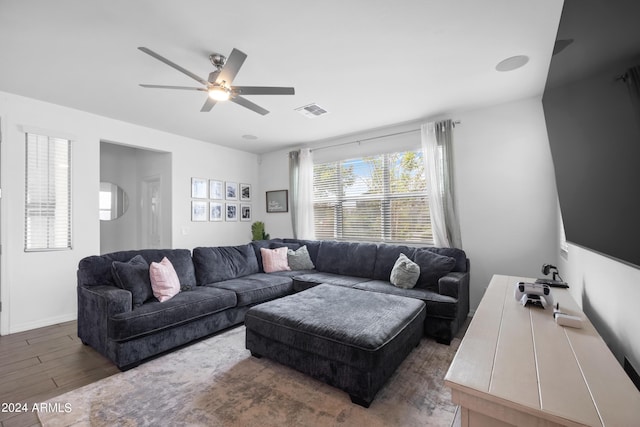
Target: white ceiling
371 63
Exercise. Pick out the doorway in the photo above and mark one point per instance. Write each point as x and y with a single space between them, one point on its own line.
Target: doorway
145 178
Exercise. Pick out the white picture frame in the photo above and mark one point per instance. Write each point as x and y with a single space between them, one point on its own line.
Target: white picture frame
216 189
198 188
198 211
245 192
231 190
215 211
245 212
231 211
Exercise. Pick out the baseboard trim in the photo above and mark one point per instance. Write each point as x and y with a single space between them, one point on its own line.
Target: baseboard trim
21 327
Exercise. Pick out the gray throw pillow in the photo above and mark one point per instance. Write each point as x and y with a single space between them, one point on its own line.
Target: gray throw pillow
300 259
405 273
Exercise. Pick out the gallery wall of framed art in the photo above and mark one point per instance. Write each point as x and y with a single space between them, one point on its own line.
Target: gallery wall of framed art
214 200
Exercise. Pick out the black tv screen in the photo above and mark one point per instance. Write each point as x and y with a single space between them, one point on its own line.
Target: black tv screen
592 111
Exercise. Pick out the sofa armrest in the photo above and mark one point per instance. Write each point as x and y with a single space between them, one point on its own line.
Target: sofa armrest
453 284
96 304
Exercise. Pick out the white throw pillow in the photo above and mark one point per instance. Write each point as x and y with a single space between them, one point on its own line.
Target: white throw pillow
405 273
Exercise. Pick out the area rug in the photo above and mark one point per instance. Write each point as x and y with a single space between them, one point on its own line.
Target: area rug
216 382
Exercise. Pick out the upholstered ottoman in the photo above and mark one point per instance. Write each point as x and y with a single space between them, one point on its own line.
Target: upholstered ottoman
351 339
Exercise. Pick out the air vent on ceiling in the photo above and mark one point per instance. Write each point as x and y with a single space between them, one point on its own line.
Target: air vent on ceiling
311 111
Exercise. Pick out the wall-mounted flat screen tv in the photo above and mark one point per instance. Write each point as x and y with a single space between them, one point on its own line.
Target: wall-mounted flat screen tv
592 111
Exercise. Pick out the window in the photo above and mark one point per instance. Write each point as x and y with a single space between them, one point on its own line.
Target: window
47 193
377 198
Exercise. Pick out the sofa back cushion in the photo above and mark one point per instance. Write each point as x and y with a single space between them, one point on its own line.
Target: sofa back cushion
458 254
96 270
216 264
348 259
432 268
386 256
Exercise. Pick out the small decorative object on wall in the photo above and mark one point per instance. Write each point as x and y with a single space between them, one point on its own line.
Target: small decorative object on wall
278 201
232 211
231 190
198 188
215 211
216 189
245 192
198 211
245 212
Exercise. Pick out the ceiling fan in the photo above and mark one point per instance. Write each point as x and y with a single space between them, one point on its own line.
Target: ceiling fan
218 86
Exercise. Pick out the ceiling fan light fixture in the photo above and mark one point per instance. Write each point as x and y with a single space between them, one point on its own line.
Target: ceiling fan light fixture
219 93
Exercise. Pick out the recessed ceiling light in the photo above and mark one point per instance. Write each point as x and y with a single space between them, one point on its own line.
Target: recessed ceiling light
250 137
512 63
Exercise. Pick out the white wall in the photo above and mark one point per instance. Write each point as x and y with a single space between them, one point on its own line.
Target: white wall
506 191
608 292
505 184
38 289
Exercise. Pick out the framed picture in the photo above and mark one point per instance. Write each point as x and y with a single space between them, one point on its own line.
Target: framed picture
278 201
245 212
232 212
245 192
216 189
231 190
198 211
198 188
215 211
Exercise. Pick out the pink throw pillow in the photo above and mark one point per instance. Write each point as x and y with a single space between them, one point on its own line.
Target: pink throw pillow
164 280
274 259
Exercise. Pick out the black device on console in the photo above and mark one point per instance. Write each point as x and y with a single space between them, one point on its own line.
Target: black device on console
556 281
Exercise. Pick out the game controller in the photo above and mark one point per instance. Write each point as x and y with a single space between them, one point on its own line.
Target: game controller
536 294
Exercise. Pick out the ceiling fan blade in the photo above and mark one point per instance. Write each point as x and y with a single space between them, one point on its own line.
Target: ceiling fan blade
208 105
250 105
173 64
263 90
231 67
174 87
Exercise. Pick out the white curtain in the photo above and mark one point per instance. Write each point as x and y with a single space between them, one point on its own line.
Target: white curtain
438 156
301 187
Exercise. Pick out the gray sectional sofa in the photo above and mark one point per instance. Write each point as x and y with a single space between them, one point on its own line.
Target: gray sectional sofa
220 284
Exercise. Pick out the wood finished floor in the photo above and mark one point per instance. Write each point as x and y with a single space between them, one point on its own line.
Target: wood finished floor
43 363
40 364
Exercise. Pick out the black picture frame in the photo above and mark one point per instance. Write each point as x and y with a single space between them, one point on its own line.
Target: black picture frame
277 201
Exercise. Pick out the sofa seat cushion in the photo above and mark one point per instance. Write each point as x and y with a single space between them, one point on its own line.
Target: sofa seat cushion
257 288
292 273
350 326
309 280
154 316
437 305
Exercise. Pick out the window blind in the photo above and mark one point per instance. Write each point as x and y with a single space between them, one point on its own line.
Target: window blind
47 193
374 198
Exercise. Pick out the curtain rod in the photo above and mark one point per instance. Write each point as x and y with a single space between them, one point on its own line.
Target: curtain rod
358 141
